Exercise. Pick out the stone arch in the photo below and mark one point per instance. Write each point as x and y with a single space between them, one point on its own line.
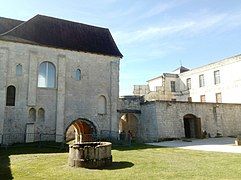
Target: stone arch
11 95
81 130
19 70
41 115
32 115
129 122
192 126
78 75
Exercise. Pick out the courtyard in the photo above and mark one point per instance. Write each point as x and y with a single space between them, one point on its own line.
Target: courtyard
138 161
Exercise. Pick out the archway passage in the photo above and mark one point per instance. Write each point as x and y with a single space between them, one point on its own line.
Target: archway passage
192 126
80 130
129 122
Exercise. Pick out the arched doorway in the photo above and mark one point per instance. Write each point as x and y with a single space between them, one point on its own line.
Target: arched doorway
129 122
192 126
80 130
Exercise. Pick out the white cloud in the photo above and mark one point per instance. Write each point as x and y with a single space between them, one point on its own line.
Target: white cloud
157 9
185 27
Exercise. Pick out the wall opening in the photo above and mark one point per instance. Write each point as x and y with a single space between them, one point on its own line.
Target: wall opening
32 115
41 115
11 93
80 130
192 126
129 122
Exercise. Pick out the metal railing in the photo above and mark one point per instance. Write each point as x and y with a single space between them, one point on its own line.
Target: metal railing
41 139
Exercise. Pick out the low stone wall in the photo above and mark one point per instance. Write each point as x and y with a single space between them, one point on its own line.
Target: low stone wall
90 154
165 119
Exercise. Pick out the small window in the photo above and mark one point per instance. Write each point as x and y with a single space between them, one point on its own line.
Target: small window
173 86
78 75
189 99
46 75
201 80
217 77
11 93
203 98
102 105
218 97
19 70
188 83
41 115
32 115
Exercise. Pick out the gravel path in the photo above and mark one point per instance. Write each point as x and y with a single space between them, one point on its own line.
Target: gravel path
224 144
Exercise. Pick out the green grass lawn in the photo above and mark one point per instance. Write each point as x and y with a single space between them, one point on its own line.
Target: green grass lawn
138 161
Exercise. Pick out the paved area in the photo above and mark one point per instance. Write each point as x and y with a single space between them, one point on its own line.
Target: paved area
224 144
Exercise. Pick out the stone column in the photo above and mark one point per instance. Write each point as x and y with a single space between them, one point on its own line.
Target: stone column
60 98
32 78
4 54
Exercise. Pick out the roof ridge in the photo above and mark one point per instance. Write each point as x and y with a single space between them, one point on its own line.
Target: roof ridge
5 33
69 21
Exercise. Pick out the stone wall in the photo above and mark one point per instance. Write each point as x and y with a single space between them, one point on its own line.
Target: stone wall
165 119
70 100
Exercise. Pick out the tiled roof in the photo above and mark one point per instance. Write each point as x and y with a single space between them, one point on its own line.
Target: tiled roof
8 24
58 33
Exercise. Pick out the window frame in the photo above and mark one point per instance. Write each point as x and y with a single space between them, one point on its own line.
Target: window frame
189 83
202 98
78 75
11 96
217 79
218 97
46 76
201 80
19 70
173 86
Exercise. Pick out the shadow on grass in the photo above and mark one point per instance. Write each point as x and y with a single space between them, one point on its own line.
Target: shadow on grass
118 165
5 171
135 146
32 148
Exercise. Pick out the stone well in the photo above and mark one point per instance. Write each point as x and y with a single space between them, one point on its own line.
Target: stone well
90 154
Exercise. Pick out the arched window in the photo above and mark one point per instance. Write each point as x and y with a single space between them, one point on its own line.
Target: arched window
41 115
11 92
78 75
19 70
102 105
32 115
46 75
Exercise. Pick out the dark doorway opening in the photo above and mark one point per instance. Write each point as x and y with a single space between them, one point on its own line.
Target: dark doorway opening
192 126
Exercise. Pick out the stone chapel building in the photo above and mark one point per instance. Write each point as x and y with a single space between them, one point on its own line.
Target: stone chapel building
56 74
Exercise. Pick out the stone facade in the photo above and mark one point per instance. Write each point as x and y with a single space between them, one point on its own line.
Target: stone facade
216 82
70 100
171 119
172 108
44 90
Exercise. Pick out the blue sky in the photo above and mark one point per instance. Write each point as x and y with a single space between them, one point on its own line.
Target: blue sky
155 36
